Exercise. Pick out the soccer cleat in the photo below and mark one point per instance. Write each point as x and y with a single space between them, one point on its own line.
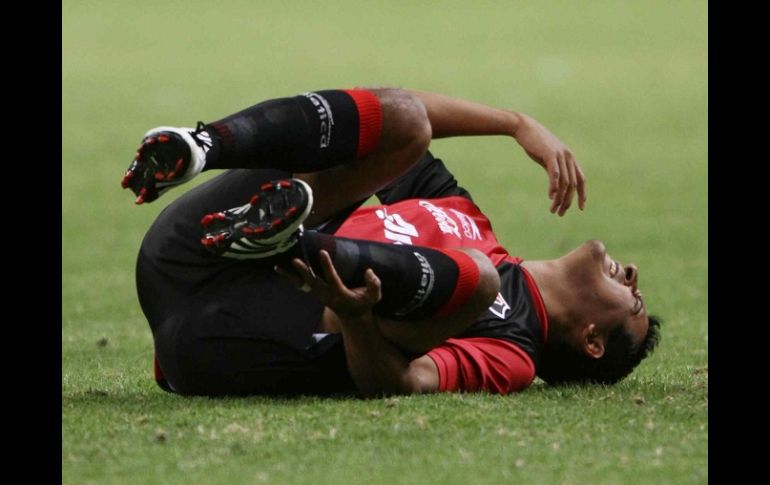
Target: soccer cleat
167 157
269 224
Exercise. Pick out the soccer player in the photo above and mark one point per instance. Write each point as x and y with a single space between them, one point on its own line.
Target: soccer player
271 277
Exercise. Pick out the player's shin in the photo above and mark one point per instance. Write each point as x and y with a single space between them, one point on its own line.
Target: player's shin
418 283
306 133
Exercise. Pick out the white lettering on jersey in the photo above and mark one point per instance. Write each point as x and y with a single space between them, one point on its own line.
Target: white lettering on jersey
396 228
470 229
446 224
499 307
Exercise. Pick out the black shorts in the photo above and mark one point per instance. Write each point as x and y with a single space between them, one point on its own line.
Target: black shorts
233 327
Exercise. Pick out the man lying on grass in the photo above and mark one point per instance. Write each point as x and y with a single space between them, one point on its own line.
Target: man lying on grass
271 278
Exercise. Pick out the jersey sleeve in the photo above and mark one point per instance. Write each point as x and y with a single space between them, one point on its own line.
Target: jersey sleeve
482 364
428 179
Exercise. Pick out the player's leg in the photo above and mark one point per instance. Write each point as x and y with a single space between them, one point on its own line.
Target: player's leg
404 139
379 134
418 283
178 281
221 346
256 335
345 144
416 336
222 326
428 295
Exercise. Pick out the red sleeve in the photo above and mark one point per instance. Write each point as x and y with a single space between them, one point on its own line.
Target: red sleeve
482 364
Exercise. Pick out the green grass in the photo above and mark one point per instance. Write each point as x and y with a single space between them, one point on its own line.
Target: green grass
623 83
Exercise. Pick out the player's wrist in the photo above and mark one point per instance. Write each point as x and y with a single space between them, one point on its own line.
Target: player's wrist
515 121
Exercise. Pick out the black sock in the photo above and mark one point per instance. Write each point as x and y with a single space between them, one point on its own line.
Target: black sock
310 132
417 282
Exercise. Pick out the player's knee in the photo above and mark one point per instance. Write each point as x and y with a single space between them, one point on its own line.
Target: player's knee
405 121
489 280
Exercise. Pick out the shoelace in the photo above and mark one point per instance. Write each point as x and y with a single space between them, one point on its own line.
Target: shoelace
202 141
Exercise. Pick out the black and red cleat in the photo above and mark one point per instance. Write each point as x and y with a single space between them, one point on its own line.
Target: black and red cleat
269 224
167 157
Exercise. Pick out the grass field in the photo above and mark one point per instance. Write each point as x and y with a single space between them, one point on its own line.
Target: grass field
623 83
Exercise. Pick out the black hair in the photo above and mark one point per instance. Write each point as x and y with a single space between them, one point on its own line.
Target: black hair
560 363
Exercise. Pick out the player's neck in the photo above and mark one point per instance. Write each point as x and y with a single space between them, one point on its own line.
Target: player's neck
554 289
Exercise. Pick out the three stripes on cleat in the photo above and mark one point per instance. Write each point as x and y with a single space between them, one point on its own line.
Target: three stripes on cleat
233 230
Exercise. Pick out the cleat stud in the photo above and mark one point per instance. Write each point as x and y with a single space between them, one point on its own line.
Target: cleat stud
179 165
254 200
126 179
171 175
139 200
143 192
150 140
285 184
259 230
207 219
276 223
266 187
160 176
291 211
163 138
220 216
247 230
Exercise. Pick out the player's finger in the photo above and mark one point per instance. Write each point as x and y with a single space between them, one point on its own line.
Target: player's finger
553 178
581 186
563 181
373 287
571 187
330 273
305 273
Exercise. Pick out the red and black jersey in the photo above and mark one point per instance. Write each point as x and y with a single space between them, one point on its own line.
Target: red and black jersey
499 352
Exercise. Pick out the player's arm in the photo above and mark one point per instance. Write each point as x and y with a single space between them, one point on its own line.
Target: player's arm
376 365
457 117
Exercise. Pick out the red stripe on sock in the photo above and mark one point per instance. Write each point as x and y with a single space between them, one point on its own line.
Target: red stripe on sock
369 120
467 281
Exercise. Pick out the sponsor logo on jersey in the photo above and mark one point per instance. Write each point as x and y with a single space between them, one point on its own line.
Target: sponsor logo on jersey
396 228
470 229
446 224
324 116
500 306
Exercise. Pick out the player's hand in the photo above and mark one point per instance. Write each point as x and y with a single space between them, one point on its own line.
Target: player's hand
564 173
332 292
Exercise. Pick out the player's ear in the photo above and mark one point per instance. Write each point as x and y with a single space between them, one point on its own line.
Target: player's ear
591 341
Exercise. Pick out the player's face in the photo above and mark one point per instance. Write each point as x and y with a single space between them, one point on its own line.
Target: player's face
607 290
